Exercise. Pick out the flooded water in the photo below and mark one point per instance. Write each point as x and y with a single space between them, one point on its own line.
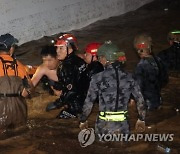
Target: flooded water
45 135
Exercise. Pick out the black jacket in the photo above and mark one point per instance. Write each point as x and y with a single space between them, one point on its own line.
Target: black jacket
72 75
171 57
94 68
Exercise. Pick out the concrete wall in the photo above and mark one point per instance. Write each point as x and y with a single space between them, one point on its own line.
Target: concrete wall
32 19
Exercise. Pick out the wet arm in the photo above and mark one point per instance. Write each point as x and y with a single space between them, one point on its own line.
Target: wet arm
37 76
139 100
29 88
90 98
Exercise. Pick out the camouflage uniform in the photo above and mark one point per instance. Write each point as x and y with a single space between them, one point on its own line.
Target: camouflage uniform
104 86
150 78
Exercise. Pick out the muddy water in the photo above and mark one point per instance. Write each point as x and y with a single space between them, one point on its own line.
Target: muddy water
45 134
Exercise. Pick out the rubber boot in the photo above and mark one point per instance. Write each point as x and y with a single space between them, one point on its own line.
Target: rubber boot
54 105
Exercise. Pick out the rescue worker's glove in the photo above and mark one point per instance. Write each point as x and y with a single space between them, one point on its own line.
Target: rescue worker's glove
140 126
28 87
46 84
83 125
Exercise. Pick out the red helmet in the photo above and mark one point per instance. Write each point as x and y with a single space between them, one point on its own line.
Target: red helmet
67 39
92 48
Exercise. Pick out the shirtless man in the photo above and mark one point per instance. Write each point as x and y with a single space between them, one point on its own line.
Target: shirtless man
48 68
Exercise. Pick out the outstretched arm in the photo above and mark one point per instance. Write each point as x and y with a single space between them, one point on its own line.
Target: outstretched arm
28 87
38 75
140 124
136 92
90 98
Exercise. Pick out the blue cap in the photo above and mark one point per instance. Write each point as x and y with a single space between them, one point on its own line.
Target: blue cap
7 41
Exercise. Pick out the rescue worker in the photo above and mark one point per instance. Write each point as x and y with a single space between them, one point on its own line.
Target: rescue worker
171 56
72 75
80 53
150 72
47 71
94 66
113 87
15 85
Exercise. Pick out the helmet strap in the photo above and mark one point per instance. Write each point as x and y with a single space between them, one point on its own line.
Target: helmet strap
67 50
92 58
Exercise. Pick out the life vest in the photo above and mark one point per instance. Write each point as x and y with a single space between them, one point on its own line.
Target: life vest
11 67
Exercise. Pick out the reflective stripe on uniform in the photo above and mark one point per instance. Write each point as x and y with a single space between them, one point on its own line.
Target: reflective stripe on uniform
113 116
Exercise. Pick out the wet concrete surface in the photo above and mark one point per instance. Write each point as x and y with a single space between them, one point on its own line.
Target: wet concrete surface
45 134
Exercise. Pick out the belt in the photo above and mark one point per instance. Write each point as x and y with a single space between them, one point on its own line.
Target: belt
10 95
113 116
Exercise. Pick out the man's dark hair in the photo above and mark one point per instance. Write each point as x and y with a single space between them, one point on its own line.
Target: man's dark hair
49 51
7 41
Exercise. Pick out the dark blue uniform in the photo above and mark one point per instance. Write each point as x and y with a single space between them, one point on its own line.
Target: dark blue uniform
171 57
151 76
